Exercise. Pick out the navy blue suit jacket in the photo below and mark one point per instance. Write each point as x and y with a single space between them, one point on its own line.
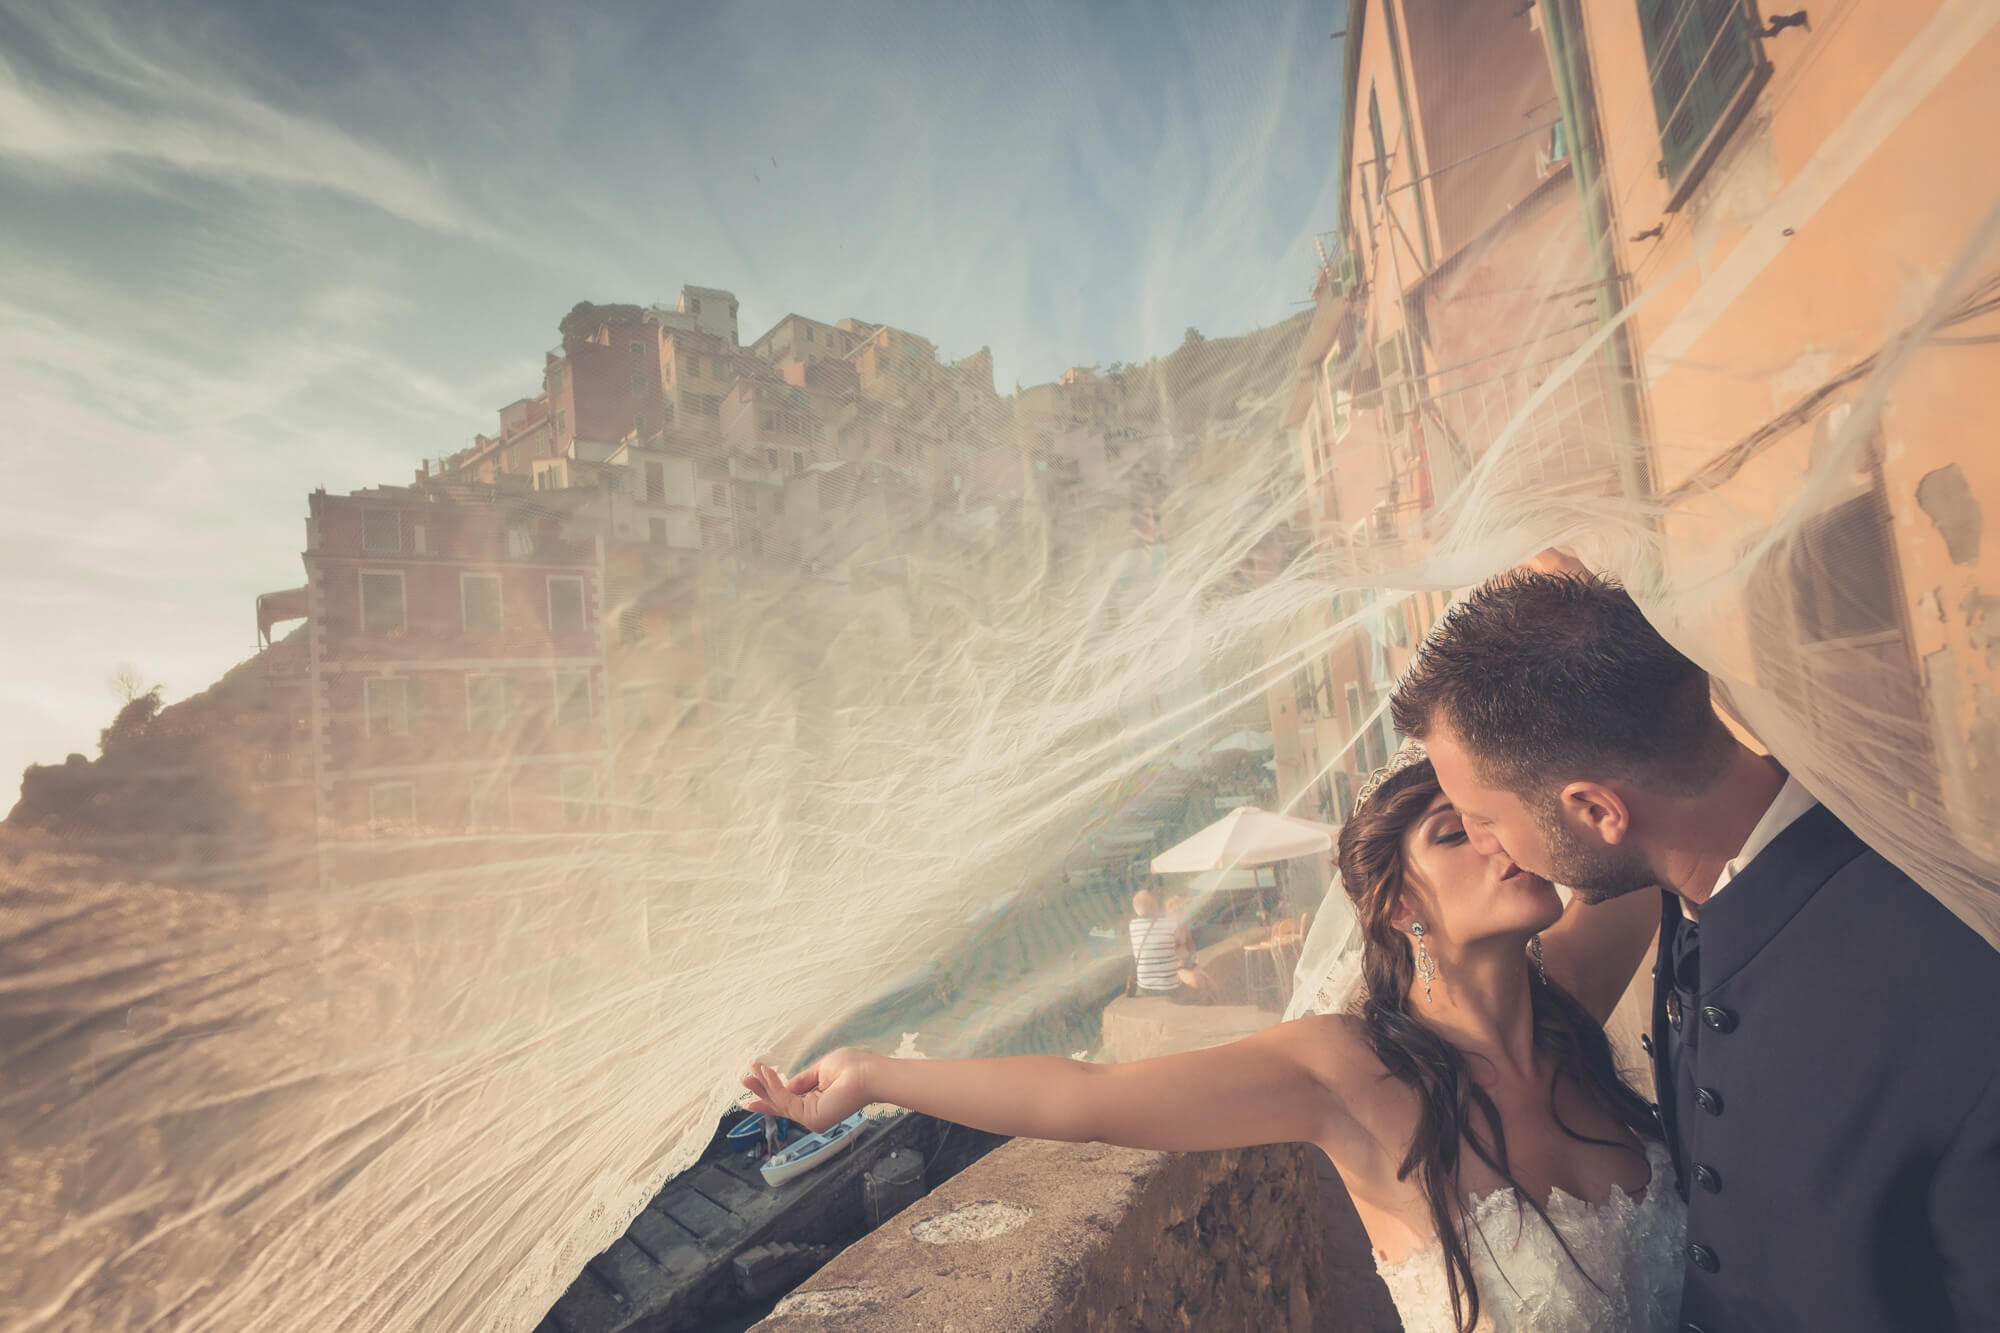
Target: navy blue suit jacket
1832 1101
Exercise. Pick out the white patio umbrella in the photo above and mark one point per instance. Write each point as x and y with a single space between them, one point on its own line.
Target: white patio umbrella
1246 836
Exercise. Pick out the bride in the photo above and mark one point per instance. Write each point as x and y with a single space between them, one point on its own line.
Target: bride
1507 1177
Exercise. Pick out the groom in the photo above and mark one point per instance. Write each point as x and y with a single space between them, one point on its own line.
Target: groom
1825 1035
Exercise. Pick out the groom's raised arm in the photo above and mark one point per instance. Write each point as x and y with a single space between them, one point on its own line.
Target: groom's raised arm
1594 951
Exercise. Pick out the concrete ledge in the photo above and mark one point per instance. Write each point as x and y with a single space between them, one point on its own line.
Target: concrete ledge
1059 1236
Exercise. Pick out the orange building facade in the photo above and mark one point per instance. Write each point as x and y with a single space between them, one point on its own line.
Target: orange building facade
1740 216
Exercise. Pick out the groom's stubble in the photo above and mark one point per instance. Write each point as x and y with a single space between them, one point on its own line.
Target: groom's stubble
1594 872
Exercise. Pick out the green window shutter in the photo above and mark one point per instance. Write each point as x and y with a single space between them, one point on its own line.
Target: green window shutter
1389 361
1700 55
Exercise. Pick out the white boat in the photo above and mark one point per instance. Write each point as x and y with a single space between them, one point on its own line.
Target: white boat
812 1150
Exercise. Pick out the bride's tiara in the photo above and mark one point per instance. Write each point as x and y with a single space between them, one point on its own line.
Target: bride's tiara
1409 753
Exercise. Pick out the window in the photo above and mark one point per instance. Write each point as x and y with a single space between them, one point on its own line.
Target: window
1701 57
636 348
770 457
521 537
818 432
639 423
1353 707
381 603
1555 152
799 460
690 367
392 808
565 604
656 531
386 702
562 422
579 795
572 698
381 530
638 713
1343 794
631 627
767 419
719 493
1397 400
656 483
493 804
486 703
479 602
809 334
638 382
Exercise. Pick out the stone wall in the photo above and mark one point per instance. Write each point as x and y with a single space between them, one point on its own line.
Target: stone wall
1061 1236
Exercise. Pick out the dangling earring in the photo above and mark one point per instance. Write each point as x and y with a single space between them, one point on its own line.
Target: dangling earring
1535 952
1426 965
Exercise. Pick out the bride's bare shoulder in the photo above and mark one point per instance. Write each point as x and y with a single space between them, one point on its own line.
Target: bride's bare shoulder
1335 1046
1372 1132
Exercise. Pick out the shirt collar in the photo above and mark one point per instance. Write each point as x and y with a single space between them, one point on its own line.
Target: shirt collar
1791 801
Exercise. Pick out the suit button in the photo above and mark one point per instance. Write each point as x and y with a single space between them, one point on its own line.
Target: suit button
1646 1042
1704 1258
1656 1110
1721 1020
1709 1100
1708 1179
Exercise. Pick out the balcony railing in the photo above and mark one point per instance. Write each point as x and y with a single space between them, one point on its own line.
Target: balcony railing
1567 443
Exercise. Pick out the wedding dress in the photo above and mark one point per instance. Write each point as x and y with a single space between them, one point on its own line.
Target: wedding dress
1630 1249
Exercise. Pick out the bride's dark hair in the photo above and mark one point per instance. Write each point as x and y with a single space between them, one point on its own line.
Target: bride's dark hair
1456 1113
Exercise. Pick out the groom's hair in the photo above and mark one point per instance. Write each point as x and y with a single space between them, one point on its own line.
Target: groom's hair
1546 678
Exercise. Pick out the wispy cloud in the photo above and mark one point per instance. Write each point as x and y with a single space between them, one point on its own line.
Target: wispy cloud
127 99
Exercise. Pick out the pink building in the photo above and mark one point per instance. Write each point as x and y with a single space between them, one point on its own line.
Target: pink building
455 668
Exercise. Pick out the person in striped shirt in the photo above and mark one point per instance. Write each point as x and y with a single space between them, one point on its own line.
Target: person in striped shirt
1157 955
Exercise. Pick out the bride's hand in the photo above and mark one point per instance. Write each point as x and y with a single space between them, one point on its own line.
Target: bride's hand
818 1097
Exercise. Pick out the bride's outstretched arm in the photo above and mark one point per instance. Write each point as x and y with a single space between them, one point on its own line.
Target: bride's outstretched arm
1279 1086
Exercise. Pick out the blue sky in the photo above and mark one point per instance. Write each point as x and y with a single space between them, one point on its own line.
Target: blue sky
259 248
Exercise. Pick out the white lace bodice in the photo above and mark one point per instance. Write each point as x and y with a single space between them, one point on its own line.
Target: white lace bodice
1631 1248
